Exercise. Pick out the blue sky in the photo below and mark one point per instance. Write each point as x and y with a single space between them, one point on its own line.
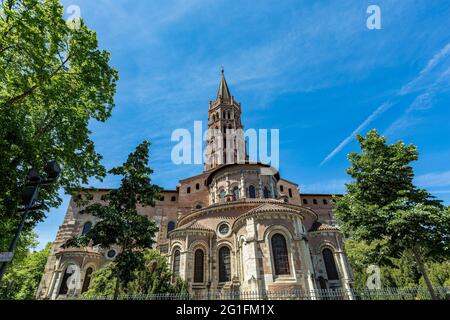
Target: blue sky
309 68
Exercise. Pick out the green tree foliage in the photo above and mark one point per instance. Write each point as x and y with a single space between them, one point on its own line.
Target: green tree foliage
119 222
24 274
384 208
53 81
153 278
400 272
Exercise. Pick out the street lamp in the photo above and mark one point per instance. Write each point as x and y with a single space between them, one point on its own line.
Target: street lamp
29 196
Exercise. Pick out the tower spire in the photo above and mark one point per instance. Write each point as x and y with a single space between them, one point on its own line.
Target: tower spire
224 92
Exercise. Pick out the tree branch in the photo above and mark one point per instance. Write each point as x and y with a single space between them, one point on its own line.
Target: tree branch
33 88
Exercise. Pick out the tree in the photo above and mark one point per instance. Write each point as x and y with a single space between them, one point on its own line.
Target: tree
384 207
53 81
119 222
23 277
154 278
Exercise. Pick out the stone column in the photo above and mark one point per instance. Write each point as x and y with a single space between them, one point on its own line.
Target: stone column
53 293
272 189
306 257
251 276
242 186
344 268
184 258
260 186
215 191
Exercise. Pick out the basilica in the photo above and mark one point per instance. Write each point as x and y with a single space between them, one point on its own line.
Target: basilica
238 226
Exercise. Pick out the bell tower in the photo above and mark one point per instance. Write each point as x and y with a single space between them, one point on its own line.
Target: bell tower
225 142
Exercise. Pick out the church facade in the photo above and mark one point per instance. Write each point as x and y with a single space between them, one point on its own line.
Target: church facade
236 227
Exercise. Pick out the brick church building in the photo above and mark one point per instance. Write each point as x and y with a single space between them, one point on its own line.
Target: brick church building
237 226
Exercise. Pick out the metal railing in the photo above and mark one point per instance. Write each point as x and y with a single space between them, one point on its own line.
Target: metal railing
320 294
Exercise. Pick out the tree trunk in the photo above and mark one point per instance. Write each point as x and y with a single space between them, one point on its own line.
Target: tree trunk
116 290
424 273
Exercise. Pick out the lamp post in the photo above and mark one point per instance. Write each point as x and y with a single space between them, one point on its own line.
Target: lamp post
29 197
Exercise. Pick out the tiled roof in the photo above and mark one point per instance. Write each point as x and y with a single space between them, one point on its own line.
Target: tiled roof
318 226
271 207
193 225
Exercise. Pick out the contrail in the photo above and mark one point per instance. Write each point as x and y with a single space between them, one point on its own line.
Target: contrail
385 106
437 58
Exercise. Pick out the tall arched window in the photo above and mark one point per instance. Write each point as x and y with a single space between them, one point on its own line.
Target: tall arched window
330 264
251 192
87 279
266 193
63 289
170 227
224 264
198 265
86 227
222 196
280 255
236 194
176 263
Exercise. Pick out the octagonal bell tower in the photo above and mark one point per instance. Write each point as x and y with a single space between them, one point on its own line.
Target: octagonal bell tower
225 138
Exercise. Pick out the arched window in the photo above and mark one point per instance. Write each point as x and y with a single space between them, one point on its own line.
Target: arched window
330 264
170 227
280 255
314 201
198 265
87 279
251 192
188 190
266 193
290 193
176 263
281 188
64 289
224 264
86 227
305 201
222 196
236 194
197 186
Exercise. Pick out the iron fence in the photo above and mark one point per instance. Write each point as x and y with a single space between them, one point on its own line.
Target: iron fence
320 294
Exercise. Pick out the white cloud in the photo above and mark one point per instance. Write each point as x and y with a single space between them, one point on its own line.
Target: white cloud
434 179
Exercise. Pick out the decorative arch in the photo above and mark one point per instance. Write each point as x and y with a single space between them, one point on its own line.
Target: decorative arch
63 288
199 265
224 258
87 278
330 263
87 226
179 244
222 194
251 191
281 255
170 227
176 261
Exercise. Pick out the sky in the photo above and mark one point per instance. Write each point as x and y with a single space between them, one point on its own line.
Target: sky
312 69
